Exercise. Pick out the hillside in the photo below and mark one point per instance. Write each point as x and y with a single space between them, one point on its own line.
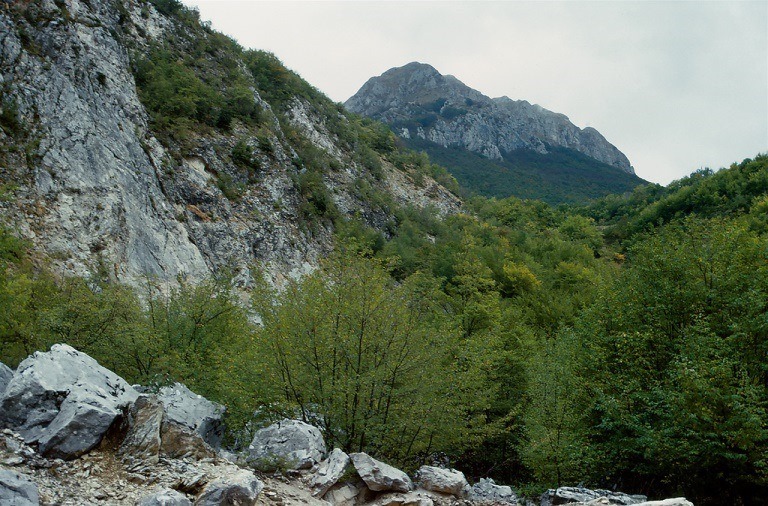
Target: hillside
494 147
181 209
138 142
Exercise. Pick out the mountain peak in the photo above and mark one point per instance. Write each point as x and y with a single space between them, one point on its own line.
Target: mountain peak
418 101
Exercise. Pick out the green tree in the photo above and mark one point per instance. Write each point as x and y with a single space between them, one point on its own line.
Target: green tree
555 422
373 359
678 370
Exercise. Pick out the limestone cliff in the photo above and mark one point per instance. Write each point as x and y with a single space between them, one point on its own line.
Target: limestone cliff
100 186
419 102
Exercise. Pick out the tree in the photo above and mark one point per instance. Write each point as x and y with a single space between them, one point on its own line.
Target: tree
678 370
372 360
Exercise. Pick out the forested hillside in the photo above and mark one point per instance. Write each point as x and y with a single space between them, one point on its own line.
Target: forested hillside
622 344
512 337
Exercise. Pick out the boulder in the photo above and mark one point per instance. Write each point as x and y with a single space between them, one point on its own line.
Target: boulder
407 499
78 427
6 373
151 434
445 481
238 489
17 490
344 494
297 445
177 441
566 495
193 411
142 442
64 400
677 501
380 476
165 497
487 490
329 472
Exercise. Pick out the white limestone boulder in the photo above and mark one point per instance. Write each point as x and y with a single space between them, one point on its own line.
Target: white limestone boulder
486 490
445 481
64 401
240 488
329 472
290 443
379 476
186 408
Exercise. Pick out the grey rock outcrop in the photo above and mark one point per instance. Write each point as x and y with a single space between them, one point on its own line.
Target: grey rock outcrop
142 442
297 444
677 501
604 501
100 189
566 495
329 472
6 374
17 490
64 401
487 490
345 494
193 411
165 497
445 481
420 102
407 499
241 488
379 476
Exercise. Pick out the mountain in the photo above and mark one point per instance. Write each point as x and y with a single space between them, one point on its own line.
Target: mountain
135 141
494 146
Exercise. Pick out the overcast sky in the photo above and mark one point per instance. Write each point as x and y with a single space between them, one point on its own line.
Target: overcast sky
676 86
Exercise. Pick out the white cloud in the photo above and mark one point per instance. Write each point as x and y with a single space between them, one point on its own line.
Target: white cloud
674 85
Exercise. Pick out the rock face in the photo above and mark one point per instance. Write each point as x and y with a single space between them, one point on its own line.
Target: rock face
98 187
566 495
193 411
296 444
17 490
487 490
446 481
419 102
329 472
6 373
380 476
64 401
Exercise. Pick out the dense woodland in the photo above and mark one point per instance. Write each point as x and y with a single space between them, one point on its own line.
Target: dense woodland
620 344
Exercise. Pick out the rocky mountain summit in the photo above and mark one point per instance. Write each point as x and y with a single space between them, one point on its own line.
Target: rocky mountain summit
496 147
74 433
135 142
420 102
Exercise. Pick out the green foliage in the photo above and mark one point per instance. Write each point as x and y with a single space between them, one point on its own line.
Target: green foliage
679 363
555 422
242 154
168 7
232 190
374 359
705 193
317 202
184 94
9 118
559 177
